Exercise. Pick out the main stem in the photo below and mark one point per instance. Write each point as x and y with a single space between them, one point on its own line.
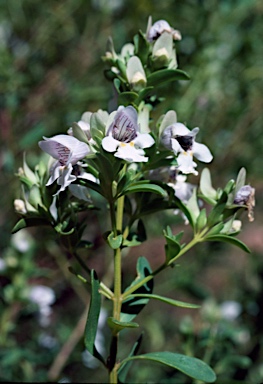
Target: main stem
117 300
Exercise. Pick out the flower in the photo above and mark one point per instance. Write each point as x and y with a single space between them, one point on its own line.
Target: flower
181 140
246 196
135 74
123 136
68 151
158 28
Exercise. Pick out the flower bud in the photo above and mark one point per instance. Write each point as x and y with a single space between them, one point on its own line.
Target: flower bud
20 206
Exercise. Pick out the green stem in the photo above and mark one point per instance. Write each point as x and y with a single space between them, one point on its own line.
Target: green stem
197 239
117 223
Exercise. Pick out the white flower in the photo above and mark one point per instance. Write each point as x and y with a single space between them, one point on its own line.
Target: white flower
182 189
246 196
158 28
123 137
182 141
44 297
68 151
230 310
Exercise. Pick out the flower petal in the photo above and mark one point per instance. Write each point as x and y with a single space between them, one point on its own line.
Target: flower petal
202 153
129 153
143 140
186 164
73 149
110 144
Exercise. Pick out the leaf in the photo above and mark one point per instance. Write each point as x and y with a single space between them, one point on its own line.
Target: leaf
117 326
79 134
126 98
114 241
131 307
228 239
166 300
145 187
190 366
206 187
241 180
193 208
125 367
166 75
214 215
201 220
29 222
93 317
172 246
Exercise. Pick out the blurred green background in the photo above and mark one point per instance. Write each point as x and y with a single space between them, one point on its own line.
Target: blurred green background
50 73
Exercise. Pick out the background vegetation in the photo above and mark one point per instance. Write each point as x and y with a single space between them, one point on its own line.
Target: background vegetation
50 73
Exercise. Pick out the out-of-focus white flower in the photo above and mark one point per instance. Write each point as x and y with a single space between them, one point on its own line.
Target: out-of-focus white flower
68 151
44 297
158 28
22 240
230 310
123 136
181 140
47 341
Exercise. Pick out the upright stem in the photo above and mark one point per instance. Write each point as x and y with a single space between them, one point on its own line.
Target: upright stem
117 222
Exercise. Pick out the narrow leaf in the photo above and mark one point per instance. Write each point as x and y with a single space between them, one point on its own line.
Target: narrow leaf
166 300
166 75
131 307
147 187
29 222
190 366
93 317
228 239
125 367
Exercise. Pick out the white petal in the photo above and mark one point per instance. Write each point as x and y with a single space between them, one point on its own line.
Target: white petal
53 145
110 144
54 174
202 153
143 140
180 129
129 153
186 164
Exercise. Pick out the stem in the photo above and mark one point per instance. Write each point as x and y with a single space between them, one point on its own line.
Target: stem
197 239
117 224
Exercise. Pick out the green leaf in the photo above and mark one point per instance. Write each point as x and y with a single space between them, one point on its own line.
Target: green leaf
141 47
145 187
206 187
241 180
166 75
29 222
201 220
78 133
215 215
126 98
172 246
114 241
190 366
93 317
228 239
28 172
122 373
131 307
193 208
117 326
166 300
